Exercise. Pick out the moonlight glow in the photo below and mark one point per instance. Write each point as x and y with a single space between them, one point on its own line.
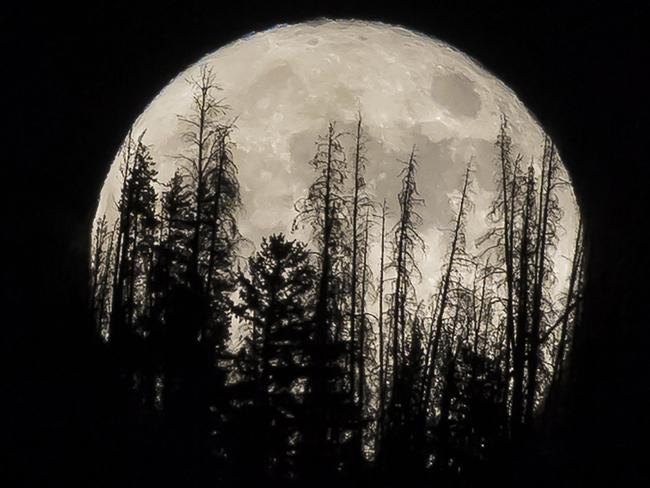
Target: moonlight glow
352 232
286 84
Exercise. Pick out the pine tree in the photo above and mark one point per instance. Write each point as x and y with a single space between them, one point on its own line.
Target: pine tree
506 216
197 265
276 300
383 360
97 254
214 193
222 202
396 444
137 223
503 213
567 323
548 220
329 410
522 334
455 256
360 204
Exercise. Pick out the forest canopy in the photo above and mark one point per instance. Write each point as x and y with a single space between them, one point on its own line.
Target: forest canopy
319 354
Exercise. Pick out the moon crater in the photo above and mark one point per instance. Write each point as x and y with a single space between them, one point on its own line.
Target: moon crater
283 87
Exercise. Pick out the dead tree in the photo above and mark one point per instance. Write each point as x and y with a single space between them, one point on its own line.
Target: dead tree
324 210
457 242
380 319
547 224
406 243
202 135
522 337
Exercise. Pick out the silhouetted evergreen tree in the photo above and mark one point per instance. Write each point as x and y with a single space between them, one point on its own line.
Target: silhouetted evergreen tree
320 390
504 213
203 237
135 240
567 320
277 297
382 336
131 291
214 194
456 254
101 270
360 204
546 235
329 411
397 448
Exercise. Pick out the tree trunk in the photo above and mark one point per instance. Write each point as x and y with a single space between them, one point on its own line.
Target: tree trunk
432 349
540 269
519 351
382 358
353 297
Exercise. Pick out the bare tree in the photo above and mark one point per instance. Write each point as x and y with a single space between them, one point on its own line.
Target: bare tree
549 216
404 312
380 319
526 243
457 247
324 209
203 135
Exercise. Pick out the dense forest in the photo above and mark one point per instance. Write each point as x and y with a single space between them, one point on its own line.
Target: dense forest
304 364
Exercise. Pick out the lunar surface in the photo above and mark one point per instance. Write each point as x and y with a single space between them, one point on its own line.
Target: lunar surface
285 85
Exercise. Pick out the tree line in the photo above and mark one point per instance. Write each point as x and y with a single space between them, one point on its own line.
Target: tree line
344 374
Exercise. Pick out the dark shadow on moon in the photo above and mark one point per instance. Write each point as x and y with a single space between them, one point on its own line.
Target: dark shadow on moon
456 93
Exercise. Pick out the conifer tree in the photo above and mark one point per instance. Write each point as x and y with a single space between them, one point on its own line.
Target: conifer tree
137 223
396 444
360 204
276 300
326 400
455 257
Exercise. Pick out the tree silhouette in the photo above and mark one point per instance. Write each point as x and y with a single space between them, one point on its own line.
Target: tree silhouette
302 368
277 301
328 410
397 448
361 205
134 240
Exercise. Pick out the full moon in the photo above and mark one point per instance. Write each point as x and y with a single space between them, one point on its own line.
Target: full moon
284 86
348 240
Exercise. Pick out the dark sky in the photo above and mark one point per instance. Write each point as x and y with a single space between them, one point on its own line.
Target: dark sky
78 76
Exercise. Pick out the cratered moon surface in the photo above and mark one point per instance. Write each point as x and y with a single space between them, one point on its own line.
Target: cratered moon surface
285 85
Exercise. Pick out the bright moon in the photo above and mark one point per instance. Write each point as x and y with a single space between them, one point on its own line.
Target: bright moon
285 85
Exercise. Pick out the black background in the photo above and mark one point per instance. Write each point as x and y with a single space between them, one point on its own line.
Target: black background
79 76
